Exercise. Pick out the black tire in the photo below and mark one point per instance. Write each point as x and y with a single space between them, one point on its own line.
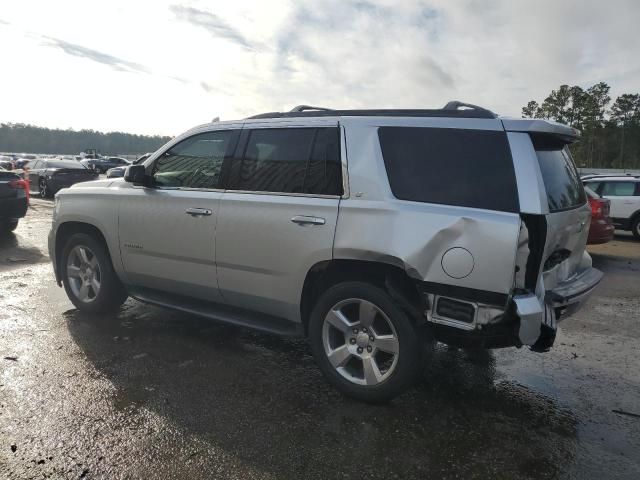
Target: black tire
635 227
7 226
111 294
410 348
43 188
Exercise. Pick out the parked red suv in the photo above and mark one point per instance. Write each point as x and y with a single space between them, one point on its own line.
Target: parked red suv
601 230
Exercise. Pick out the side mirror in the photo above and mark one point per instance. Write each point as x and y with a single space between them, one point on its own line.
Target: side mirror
137 175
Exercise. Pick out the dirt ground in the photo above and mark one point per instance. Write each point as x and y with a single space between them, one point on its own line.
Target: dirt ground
151 393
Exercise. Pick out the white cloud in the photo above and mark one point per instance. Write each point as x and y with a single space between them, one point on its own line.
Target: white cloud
163 66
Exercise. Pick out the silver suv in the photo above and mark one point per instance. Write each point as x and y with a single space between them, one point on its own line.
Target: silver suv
374 233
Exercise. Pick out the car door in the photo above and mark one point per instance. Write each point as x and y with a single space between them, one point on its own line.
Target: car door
35 167
278 214
167 230
622 195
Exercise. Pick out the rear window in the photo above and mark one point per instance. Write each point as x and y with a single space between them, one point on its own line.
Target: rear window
467 168
559 173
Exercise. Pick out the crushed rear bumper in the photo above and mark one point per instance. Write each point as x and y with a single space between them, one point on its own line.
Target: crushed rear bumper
539 316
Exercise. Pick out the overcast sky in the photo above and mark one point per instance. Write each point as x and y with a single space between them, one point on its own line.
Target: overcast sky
161 67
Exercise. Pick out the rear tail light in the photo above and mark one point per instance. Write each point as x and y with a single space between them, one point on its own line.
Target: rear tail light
18 184
599 207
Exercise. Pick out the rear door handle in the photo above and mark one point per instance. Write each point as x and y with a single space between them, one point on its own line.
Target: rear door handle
306 220
198 212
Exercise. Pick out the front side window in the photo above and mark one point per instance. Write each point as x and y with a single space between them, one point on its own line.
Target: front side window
289 160
195 162
467 168
619 189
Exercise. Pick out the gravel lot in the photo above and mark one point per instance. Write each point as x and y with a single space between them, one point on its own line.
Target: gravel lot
150 393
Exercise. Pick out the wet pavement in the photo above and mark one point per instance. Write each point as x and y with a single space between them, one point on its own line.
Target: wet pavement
150 393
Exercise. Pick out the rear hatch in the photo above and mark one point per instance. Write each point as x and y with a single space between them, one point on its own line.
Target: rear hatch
567 223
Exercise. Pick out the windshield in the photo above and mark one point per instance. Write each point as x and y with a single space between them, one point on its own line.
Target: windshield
559 173
65 164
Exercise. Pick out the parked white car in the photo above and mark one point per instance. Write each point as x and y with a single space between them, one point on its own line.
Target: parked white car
623 191
371 232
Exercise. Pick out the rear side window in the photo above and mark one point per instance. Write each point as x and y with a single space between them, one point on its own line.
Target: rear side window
619 189
467 168
559 173
289 160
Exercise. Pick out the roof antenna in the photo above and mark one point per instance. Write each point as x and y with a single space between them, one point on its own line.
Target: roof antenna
217 119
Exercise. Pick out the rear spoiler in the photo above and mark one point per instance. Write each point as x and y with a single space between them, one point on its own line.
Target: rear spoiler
560 131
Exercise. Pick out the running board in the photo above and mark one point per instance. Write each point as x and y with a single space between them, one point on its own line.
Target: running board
220 313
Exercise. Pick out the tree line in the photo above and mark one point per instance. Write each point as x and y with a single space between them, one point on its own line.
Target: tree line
610 131
21 138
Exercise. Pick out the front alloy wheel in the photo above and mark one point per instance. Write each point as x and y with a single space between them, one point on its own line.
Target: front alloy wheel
88 275
83 273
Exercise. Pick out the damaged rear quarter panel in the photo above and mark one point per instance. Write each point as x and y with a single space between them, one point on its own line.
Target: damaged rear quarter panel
415 236
373 225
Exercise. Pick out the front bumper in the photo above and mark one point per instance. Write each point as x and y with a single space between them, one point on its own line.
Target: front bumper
51 244
539 316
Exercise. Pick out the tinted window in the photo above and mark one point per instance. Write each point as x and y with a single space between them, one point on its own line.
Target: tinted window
289 160
63 164
560 176
593 185
619 189
195 162
469 168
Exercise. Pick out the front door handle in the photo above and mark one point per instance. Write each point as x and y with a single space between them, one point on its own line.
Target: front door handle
306 220
198 212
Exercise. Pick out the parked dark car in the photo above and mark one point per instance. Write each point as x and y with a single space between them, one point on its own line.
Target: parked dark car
101 165
6 163
601 230
117 172
13 200
46 177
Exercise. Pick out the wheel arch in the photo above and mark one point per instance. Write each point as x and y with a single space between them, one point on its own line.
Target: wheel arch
66 230
393 279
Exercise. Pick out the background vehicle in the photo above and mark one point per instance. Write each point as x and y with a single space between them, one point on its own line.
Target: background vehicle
372 232
623 192
101 165
119 171
601 229
13 200
46 177
6 162
24 159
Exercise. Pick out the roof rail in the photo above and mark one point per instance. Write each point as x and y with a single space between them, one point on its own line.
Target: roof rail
451 110
458 105
304 108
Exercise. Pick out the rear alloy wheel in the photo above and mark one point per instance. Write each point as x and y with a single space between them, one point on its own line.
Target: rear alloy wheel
364 343
359 351
43 188
88 276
